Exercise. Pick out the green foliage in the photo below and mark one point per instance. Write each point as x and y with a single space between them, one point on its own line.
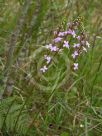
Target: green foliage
9 111
59 102
64 134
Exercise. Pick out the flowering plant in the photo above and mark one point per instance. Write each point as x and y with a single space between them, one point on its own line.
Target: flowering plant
70 39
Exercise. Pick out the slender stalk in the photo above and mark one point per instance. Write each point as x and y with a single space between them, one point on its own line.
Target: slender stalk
7 114
12 42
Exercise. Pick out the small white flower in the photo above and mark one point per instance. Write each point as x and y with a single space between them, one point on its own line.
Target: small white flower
43 69
84 49
81 125
73 33
75 66
87 44
48 46
48 58
76 45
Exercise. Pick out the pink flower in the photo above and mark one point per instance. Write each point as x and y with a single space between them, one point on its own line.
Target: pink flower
75 66
48 46
43 69
72 32
66 44
48 58
83 42
76 45
75 54
54 48
66 32
58 39
61 34
78 37
69 31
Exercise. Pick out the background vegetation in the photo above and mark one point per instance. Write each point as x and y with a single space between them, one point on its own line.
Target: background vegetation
32 104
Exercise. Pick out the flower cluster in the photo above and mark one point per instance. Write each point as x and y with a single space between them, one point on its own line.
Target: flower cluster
71 39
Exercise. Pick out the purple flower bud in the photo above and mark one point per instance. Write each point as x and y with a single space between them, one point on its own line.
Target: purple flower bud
75 66
78 38
66 44
83 42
